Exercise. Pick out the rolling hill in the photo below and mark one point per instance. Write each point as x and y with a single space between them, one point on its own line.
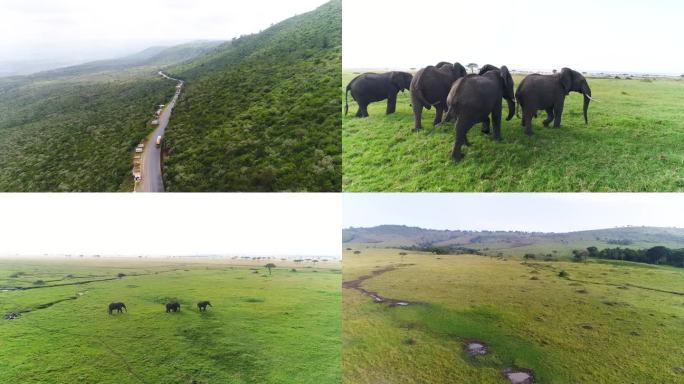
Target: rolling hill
262 112
74 128
512 242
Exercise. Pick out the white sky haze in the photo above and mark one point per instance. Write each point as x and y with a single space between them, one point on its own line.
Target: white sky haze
89 29
542 212
587 35
249 224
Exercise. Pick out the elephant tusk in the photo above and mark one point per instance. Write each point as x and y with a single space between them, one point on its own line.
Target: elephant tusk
591 98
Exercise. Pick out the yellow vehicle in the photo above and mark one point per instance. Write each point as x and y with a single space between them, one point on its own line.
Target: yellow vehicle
159 141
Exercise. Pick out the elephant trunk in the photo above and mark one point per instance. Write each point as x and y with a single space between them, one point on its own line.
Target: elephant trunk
511 109
586 91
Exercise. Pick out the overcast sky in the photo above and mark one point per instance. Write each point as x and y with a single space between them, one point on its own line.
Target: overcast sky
544 212
273 224
604 35
89 29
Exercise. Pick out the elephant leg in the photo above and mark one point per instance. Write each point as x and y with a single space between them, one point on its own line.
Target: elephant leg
364 109
439 115
496 123
391 104
461 131
417 113
527 121
359 113
549 117
558 112
485 126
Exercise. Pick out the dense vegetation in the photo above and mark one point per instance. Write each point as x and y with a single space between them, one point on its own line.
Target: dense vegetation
654 255
263 113
632 143
74 129
279 327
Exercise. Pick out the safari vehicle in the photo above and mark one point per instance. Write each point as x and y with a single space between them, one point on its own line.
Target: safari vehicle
159 141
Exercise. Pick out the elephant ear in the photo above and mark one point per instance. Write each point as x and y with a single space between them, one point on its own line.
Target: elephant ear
506 76
394 79
566 79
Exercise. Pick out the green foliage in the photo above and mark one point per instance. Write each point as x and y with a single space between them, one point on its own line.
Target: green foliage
632 143
263 112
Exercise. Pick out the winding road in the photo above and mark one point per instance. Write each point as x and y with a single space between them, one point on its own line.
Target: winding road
151 158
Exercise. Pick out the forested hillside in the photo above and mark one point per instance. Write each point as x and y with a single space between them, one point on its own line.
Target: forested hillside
263 113
74 129
77 134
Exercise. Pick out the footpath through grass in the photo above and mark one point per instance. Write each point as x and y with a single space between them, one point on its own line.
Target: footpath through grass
633 142
279 328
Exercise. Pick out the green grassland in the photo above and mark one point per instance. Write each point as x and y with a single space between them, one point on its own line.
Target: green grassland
279 328
263 113
604 323
632 143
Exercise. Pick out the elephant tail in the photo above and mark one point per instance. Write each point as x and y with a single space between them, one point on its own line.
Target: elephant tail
346 99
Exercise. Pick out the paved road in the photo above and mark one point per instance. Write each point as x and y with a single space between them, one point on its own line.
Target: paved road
151 166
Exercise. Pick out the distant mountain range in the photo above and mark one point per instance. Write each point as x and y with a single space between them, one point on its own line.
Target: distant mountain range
513 242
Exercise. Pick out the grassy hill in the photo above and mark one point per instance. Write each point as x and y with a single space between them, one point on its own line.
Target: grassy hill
513 242
74 129
263 112
601 323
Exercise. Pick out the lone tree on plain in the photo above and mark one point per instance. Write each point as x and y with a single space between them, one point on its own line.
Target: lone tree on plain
269 266
472 67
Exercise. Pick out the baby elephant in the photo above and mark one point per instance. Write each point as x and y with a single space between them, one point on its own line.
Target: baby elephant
173 307
202 306
119 307
370 87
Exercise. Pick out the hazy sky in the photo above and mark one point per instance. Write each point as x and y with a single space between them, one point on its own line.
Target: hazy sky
87 29
610 35
545 212
302 224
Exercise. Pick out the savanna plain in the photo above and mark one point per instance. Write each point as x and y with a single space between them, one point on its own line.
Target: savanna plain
414 317
265 325
631 143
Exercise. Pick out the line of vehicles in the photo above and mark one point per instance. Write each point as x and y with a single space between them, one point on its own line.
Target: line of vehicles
140 149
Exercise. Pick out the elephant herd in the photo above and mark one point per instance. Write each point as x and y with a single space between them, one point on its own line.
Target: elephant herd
173 306
468 99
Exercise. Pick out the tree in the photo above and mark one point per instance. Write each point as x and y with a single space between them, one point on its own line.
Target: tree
472 67
269 266
593 251
657 254
579 255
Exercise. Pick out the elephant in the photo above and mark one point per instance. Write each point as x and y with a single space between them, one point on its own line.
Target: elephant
473 98
202 306
119 307
430 87
371 87
547 92
173 307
